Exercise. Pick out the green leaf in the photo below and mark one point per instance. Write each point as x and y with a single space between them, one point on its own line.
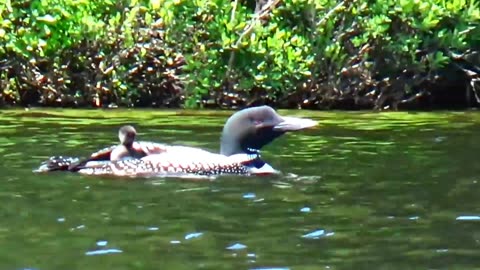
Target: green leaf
47 18
259 77
155 4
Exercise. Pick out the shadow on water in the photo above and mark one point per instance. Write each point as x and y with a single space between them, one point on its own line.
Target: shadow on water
362 191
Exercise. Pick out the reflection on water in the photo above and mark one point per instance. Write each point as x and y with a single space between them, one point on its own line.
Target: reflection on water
362 191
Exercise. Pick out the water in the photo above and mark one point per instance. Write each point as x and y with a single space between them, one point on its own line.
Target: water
361 191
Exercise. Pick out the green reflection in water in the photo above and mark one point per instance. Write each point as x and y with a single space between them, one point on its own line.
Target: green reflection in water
389 186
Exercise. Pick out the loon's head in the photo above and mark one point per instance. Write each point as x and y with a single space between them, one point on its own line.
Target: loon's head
252 128
126 135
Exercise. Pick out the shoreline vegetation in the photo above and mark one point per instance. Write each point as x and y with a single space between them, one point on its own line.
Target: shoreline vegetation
312 54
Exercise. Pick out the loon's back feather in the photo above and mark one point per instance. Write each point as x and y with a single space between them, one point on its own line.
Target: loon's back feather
175 162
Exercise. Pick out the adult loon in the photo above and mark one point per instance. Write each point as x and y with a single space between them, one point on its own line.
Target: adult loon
243 135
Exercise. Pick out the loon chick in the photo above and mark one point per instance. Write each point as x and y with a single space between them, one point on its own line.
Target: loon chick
125 149
243 135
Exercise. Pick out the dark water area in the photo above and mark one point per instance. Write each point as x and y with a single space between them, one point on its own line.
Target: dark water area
360 191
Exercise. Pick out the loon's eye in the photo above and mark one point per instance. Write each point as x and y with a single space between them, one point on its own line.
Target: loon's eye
257 122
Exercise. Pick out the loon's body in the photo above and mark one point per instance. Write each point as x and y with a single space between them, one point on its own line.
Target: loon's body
183 161
243 135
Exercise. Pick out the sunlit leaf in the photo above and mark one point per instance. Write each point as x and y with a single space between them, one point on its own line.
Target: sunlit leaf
47 18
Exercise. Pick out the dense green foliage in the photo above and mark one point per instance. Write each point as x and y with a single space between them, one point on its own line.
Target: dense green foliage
292 53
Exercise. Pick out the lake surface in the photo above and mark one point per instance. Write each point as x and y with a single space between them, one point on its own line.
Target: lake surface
360 191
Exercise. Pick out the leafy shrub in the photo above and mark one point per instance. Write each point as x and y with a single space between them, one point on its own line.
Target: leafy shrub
293 53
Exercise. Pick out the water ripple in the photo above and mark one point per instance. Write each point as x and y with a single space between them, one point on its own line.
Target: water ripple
249 196
305 210
468 218
271 268
103 252
237 246
193 235
317 234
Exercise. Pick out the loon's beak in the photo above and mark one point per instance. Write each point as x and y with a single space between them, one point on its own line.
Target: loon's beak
294 123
